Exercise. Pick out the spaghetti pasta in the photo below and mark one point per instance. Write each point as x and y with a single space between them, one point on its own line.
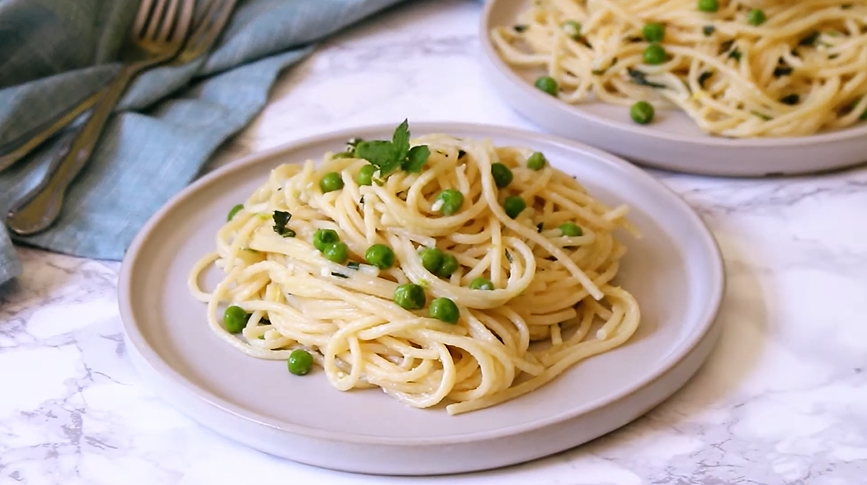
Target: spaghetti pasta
508 300
740 68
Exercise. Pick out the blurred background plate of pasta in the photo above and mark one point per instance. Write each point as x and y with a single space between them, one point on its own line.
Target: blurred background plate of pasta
740 88
323 415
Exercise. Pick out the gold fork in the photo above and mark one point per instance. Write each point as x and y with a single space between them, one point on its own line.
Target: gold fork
159 32
209 24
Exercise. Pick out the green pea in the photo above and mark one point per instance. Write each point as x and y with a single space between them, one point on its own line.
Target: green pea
452 200
431 259
481 284
708 5
235 319
570 229
330 182
642 112
380 255
336 251
365 175
445 310
324 237
653 32
448 266
234 211
655 54
536 161
756 16
514 205
300 362
547 84
502 175
409 296
572 29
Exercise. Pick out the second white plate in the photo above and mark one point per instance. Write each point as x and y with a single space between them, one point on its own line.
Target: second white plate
673 141
675 272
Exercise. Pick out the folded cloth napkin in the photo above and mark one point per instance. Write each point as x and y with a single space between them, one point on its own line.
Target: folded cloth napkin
169 122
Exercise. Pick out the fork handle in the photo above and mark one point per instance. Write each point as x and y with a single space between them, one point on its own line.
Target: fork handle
39 208
27 142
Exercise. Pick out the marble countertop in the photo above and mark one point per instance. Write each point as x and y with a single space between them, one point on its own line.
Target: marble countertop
782 400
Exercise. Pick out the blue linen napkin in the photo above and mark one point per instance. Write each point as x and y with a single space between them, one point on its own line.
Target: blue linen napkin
168 124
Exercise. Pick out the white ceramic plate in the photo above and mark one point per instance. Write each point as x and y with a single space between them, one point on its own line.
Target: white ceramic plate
673 141
675 272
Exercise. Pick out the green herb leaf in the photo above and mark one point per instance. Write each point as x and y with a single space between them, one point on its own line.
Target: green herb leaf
416 159
400 139
380 153
353 265
281 218
388 156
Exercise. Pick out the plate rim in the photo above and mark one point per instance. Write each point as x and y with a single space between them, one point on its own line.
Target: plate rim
705 323
507 72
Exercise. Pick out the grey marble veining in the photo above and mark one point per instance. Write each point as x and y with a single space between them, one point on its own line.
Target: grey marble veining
782 400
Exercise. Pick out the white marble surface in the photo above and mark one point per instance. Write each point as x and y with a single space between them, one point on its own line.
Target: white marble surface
783 399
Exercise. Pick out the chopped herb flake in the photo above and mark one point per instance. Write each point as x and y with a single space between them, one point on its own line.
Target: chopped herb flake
640 78
791 99
353 265
519 28
810 39
782 71
509 256
599 72
281 218
339 275
708 30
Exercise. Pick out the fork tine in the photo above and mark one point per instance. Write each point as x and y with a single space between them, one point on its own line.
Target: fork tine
170 20
157 15
141 18
208 28
203 15
183 22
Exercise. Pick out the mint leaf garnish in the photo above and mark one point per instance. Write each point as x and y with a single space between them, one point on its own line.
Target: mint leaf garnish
416 159
379 153
400 139
388 156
